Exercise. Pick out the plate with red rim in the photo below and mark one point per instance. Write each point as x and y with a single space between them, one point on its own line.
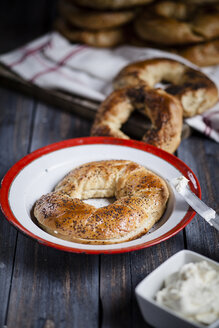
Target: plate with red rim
38 173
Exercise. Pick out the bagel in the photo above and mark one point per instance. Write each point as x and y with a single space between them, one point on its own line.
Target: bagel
204 54
94 20
141 198
201 2
201 54
171 23
164 111
193 88
110 4
101 38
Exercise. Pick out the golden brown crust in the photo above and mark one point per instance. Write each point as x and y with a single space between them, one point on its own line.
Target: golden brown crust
191 92
206 22
164 31
171 23
94 20
201 2
193 88
204 54
110 4
100 38
112 113
141 200
164 111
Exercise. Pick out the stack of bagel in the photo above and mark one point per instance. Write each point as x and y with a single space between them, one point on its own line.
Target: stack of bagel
97 23
189 28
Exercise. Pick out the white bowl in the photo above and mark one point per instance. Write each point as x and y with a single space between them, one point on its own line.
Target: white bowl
155 314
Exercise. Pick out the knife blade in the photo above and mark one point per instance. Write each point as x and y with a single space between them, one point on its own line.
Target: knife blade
181 186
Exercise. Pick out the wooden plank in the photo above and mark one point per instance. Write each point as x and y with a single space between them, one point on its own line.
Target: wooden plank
52 125
115 291
15 121
202 155
120 274
144 262
52 288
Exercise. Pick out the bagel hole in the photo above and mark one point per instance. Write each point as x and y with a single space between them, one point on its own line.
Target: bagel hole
136 125
138 122
162 85
99 202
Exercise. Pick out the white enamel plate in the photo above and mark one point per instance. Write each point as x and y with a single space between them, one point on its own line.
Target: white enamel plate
38 173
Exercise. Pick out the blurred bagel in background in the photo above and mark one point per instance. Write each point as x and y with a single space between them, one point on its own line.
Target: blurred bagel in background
194 89
100 38
204 54
93 19
187 28
200 2
201 54
110 4
163 110
177 23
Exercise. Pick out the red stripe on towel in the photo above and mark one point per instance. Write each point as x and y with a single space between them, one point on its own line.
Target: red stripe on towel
208 119
59 72
29 52
59 63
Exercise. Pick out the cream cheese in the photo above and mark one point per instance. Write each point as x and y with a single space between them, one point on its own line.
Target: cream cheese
192 292
180 183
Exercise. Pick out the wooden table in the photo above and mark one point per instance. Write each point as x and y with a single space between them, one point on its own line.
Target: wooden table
41 287
44 287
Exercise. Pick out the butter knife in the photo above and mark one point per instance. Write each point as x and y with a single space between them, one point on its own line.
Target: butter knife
181 186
